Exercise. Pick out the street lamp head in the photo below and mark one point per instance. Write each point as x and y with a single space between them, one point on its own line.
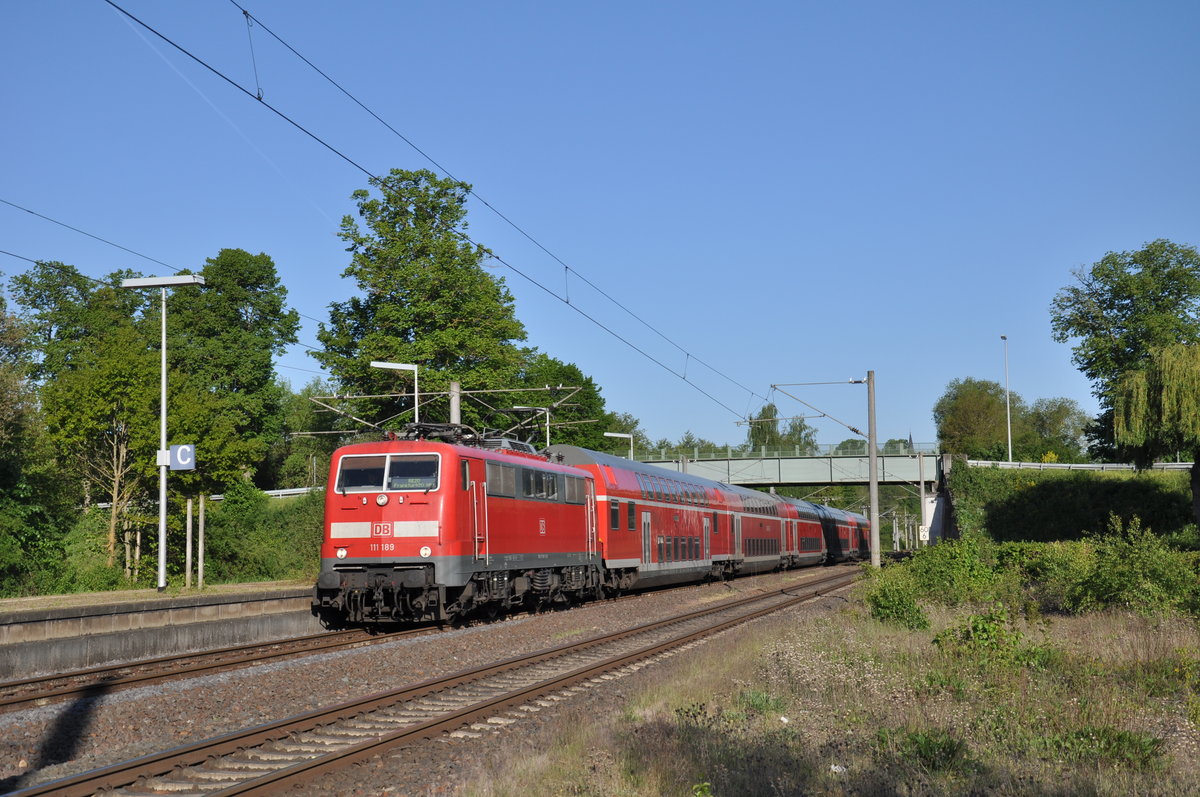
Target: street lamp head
162 282
1004 337
394 366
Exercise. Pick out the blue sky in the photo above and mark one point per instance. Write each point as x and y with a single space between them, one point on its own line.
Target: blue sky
785 191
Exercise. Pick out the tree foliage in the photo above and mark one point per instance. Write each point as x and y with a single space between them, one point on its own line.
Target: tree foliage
425 300
576 418
765 430
1126 305
1136 316
1156 412
972 418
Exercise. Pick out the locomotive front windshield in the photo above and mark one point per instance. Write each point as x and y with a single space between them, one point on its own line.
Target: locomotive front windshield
379 472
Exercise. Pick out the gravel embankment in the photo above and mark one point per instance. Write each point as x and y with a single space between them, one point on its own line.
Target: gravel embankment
55 741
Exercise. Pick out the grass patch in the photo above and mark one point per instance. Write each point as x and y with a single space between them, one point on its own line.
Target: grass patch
842 704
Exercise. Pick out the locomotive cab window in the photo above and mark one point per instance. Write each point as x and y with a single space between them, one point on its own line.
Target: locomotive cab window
361 474
413 472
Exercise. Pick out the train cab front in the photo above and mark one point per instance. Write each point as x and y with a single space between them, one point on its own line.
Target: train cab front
384 513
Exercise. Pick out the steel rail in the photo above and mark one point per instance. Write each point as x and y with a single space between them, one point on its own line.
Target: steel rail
161 763
101 680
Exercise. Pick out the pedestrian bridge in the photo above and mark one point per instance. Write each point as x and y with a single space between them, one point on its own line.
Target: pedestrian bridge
785 470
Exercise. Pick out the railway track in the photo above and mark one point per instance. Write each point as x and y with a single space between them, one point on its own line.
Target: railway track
21 694
272 757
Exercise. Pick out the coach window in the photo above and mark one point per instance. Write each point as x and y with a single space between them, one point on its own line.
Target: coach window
632 516
413 472
660 549
614 514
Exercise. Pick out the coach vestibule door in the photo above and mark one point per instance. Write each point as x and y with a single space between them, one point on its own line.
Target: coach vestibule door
707 537
645 537
737 536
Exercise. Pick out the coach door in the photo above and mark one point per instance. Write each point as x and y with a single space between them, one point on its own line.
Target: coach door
645 537
737 536
707 537
590 503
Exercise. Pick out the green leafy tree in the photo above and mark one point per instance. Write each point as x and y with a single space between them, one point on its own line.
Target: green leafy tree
575 418
31 512
1122 308
221 343
1157 410
623 423
98 383
300 455
1056 431
425 298
765 430
971 418
98 369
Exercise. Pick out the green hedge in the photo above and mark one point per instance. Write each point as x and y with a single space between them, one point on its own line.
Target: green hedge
1025 504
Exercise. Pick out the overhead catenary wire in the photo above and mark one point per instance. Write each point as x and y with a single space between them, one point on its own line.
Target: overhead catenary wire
568 270
375 178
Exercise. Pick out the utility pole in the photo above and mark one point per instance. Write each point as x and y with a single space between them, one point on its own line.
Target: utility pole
873 465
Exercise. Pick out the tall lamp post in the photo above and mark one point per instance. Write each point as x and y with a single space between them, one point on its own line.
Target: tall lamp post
164 454
1007 403
416 391
623 434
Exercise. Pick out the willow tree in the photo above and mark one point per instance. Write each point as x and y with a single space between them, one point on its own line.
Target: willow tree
1156 410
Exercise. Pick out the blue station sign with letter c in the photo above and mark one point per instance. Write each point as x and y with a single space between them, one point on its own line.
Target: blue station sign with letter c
183 457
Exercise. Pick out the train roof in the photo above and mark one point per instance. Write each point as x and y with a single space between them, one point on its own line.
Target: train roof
574 455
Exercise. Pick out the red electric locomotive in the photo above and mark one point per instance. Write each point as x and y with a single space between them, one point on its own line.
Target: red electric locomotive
446 524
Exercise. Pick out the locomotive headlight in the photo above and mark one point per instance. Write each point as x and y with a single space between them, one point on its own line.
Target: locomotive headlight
381 499
341 553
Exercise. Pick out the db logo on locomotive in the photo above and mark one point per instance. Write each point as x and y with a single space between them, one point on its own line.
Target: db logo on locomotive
381 529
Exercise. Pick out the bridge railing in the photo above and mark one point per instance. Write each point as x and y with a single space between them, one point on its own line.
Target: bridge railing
767 452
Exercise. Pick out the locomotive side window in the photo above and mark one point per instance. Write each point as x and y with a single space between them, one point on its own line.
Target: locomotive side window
413 472
539 484
361 474
501 479
574 492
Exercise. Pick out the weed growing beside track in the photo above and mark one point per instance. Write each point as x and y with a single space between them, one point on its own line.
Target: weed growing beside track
839 703
974 667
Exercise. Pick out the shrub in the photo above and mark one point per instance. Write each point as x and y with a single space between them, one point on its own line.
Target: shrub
256 538
1024 504
1046 572
892 598
954 572
1135 570
987 635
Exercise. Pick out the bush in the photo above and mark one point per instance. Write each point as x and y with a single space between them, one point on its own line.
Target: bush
1135 570
954 572
1046 572
252 537
1023 504
892 597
